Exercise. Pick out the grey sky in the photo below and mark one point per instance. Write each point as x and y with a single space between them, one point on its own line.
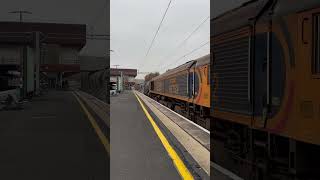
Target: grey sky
92 13
133 24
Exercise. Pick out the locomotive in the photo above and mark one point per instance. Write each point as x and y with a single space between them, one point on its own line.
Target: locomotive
186 87
266 92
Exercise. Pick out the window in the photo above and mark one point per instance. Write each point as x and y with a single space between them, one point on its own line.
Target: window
316 45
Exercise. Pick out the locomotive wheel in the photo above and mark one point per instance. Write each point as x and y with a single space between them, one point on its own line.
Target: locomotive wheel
188 110
201 112
172 106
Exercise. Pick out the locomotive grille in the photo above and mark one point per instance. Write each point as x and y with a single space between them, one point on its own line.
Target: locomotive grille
230 68
178 86
182 85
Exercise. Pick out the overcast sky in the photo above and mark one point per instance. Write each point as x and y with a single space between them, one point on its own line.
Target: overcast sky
93 13
134 23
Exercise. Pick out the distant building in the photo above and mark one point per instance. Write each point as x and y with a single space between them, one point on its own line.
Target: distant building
139 83
128 76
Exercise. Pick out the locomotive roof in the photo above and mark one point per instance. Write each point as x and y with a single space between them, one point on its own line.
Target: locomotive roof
284 7
180 68
237 17
203 60
241 16
200 61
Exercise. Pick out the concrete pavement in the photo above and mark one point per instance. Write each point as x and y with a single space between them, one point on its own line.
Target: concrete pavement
51 139
136 151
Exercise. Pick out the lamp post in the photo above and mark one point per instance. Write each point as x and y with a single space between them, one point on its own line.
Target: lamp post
21 12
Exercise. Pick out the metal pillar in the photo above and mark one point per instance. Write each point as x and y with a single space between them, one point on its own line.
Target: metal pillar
37 61
61 79
24 71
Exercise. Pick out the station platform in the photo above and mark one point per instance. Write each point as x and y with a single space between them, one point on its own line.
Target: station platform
139 152
52 137
194 139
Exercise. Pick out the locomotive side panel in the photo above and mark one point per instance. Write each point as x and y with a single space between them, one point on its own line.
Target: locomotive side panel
159 86
307 86
203 98
177 85
212 80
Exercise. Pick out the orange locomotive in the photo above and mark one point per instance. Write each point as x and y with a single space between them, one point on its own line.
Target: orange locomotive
266 91
187 86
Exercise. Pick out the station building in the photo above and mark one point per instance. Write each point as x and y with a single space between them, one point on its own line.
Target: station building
128 76
35 53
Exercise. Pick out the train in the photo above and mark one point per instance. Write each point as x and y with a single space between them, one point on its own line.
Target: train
266 90
258 90
186 87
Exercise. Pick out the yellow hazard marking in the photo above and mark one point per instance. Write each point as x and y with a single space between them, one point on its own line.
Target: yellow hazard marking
96 127
181 167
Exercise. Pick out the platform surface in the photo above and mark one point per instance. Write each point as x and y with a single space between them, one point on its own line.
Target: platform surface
193 139
51 138
136 150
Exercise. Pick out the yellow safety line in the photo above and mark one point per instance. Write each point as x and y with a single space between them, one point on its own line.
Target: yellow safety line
181 167
96 127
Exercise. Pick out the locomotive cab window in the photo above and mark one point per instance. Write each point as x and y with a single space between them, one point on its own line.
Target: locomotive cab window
316 45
